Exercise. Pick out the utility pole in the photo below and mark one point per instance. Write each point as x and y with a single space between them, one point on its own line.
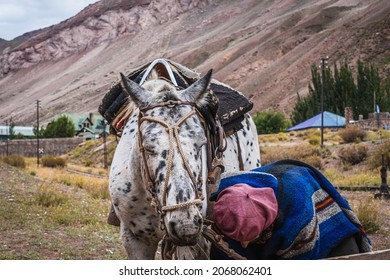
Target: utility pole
384 191
7 130
324 63
38 101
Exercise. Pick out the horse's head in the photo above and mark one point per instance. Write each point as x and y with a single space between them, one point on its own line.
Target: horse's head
172 142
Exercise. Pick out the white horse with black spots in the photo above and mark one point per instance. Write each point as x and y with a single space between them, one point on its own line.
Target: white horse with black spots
158 173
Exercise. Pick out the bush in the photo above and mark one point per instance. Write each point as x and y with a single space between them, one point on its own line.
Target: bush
53 162
352 134
383 149
270 122
17 161
60 162
368 213
50 196
314 140
314 160
353 154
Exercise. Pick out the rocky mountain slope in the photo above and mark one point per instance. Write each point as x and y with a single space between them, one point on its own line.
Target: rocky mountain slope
263 48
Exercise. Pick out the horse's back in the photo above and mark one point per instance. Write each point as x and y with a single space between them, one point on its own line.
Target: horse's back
242 148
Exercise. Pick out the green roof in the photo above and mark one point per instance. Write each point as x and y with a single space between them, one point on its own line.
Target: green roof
79 118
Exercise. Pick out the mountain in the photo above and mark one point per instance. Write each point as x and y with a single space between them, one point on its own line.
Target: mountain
263 48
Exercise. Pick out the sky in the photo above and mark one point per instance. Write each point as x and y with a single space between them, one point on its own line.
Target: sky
20 16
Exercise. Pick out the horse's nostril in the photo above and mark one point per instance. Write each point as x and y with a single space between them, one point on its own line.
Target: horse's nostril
198 221
172 224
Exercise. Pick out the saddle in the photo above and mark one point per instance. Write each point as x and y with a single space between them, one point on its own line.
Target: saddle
231 108
228 111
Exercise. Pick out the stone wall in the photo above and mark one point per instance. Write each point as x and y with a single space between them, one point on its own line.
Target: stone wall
375 120
28 147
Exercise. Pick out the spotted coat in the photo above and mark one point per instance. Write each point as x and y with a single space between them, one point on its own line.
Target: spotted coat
133 203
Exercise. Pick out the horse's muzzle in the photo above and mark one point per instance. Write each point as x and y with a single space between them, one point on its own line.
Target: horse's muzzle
185 232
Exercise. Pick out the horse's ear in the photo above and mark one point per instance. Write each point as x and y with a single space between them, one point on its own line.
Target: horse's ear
137 93
206 101
197 89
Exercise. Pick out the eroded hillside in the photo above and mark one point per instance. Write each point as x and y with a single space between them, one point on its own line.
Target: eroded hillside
263 48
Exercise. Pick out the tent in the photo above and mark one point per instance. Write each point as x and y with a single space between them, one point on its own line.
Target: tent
330 121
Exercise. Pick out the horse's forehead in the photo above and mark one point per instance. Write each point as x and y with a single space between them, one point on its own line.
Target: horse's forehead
157 86
189 135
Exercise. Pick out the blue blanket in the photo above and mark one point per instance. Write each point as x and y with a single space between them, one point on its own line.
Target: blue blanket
313 218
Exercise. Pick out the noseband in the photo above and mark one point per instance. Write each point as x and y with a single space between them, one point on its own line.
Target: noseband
173 133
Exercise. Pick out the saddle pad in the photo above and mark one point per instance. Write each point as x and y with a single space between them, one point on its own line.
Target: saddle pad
232 103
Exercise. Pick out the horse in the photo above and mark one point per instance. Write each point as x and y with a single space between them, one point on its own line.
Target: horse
158 175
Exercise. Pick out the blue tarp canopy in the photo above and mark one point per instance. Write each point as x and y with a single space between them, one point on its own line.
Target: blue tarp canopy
330 121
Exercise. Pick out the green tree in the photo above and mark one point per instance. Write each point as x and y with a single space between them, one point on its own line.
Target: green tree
340 91
41 131
19 136
59 128
270 122
11 130
369 89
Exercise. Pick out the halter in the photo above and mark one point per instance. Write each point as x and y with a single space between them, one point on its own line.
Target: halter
173 133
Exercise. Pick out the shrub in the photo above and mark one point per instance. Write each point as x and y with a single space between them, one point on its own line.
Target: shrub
383 149
313 160
314 140
282 136
60 162
50 196
17 161
353 154
270 122
53 162
368 213
352 134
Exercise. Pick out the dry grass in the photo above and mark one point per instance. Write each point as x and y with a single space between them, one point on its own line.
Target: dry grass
59 215
303 152
368 212
46 220
96 187
14 160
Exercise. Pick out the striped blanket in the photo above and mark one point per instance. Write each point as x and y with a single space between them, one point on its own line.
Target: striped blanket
313 217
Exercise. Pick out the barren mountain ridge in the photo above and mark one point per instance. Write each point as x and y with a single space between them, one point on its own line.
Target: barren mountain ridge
262 48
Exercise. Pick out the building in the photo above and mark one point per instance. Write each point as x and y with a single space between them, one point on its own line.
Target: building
26 131
375 120
88 126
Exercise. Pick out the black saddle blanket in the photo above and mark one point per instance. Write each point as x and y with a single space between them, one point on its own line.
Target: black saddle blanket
232 104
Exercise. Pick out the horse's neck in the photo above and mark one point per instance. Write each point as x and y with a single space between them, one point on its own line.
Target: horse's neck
128 154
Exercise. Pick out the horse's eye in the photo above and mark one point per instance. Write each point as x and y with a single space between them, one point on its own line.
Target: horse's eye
149 151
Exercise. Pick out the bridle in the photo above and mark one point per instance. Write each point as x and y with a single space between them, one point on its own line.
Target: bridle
214 163
173 134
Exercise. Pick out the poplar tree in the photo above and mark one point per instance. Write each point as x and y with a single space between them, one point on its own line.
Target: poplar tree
341 90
